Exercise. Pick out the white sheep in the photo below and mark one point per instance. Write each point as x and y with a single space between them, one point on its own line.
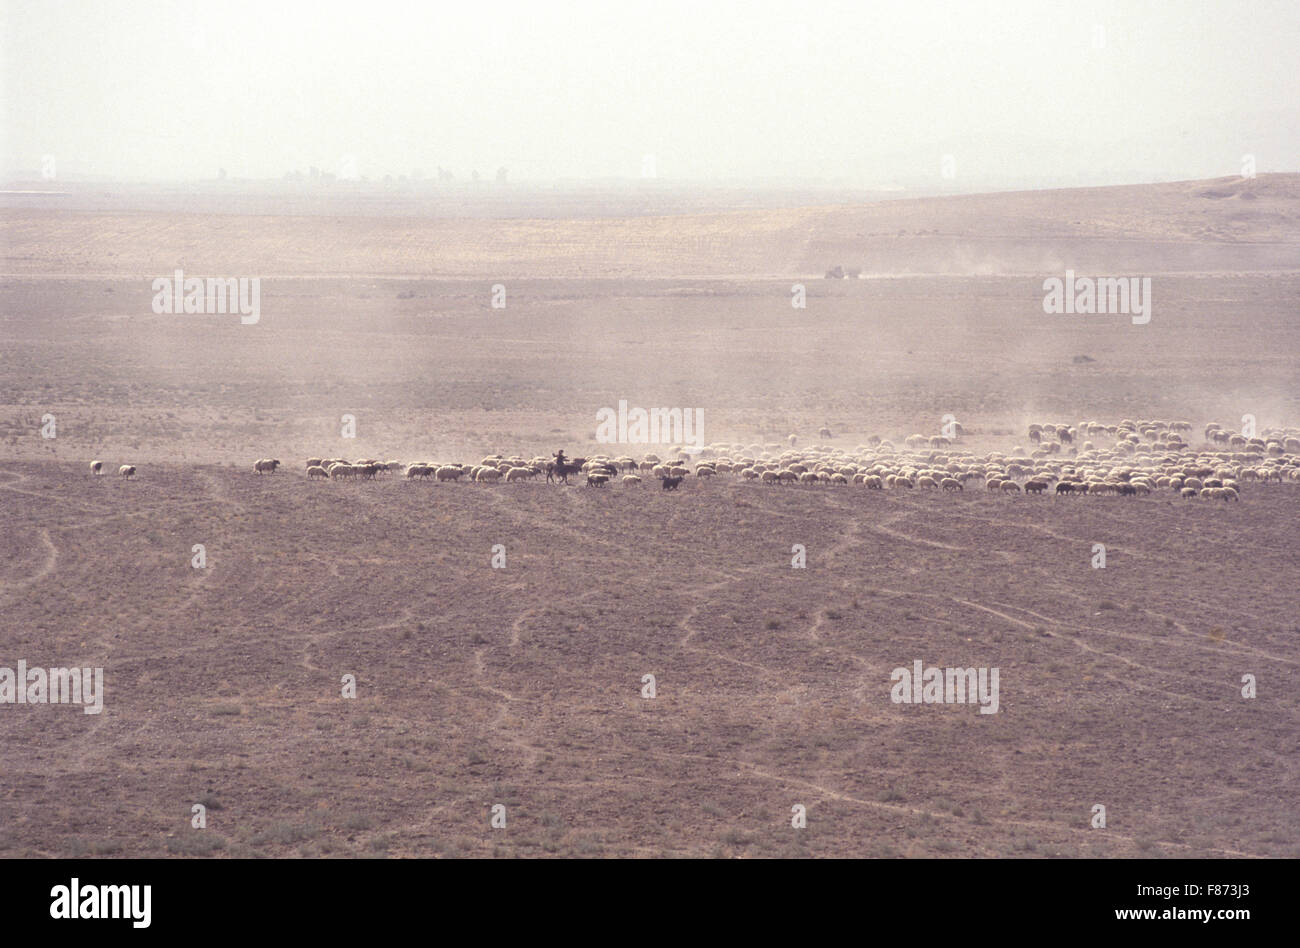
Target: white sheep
266 465
96 468
126 470
317 471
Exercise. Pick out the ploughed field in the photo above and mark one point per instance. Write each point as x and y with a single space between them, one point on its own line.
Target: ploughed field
523 686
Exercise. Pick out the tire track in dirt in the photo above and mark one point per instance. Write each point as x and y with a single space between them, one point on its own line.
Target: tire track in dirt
45 569
1153 640
531 754
886 527
1078 643
903 809
313 639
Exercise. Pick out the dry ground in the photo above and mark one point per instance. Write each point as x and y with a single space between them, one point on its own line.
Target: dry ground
522 686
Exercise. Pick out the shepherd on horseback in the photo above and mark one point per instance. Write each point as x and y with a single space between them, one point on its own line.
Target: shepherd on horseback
562 468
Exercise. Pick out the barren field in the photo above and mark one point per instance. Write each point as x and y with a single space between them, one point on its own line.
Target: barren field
522 686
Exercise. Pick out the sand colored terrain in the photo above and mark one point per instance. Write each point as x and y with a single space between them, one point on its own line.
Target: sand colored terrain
522 686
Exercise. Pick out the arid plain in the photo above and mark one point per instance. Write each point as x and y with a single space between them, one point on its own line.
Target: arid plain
522 686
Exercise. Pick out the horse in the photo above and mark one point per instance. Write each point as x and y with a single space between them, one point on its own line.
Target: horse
562 469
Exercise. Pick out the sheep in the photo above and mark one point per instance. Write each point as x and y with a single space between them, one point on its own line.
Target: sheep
597 480
315 462
839 479
1187 492
96 468
671 483
705 472
630 480
808 477
342 470
873 482
448 472
769 477
368 471
488 475
126 470
519 474
266 464
317 471
824 433
1010 487
417 470
927 483
1035 486
951 484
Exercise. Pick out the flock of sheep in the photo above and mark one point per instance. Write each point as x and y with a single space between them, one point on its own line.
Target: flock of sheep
1131 458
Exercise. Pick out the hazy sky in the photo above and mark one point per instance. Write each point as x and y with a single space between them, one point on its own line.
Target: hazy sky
712 90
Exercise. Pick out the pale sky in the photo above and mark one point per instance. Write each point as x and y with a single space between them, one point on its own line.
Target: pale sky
753 90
